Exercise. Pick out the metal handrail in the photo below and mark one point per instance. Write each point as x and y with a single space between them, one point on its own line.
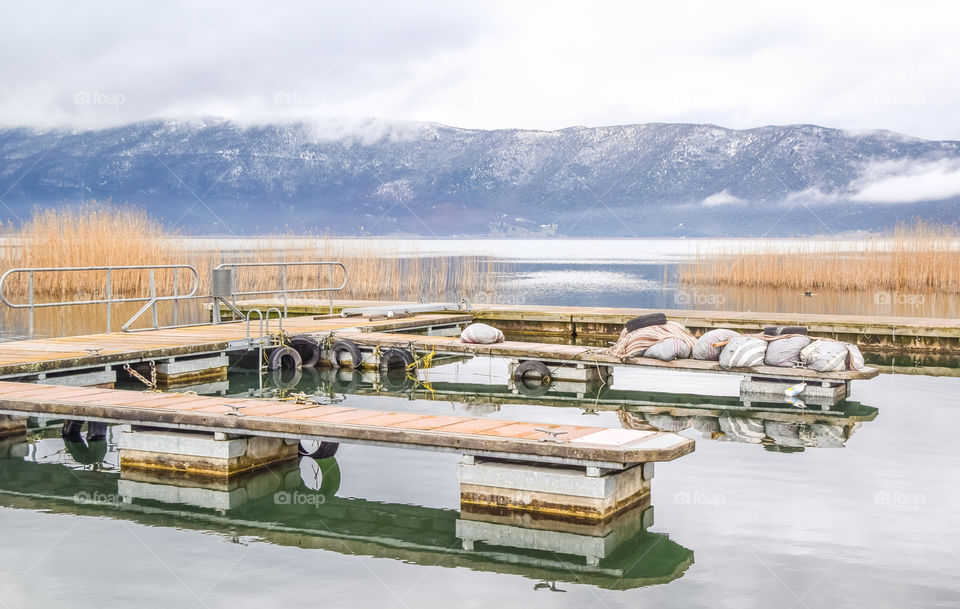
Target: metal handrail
150 302
283 291
110 300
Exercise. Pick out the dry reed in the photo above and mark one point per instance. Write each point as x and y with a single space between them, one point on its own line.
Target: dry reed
99 234
917 257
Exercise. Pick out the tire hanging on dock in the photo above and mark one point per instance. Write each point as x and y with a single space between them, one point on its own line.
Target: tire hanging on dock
395 358
316 449
346 347
308 348
284 358
532 378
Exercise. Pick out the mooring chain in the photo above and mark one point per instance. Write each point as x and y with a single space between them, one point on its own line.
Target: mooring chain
151 383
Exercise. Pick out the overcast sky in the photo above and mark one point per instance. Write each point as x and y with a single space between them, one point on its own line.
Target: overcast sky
488 65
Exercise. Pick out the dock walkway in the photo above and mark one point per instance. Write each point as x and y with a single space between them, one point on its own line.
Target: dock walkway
18 358
601 324
566 444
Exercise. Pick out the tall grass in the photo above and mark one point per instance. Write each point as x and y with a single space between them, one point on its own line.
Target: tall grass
916 257
99 234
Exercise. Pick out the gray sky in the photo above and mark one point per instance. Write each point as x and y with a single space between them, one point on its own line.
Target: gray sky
855 65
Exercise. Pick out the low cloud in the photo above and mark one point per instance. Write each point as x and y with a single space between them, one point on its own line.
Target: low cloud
907 181
722 198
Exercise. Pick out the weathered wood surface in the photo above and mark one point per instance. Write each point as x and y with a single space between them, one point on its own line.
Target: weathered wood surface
585 355
338 423
922 326
870 332
51 354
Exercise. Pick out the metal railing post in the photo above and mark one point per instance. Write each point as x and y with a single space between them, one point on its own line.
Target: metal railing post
330 269
153 299
176 296
30 289
109 291
284 275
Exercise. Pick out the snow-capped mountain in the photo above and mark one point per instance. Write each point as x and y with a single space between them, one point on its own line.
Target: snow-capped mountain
382 177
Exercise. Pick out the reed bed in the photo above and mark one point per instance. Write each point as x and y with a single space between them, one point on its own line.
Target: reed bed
919 257
103 234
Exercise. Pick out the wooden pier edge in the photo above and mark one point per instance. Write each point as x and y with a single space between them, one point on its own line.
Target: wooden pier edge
662 446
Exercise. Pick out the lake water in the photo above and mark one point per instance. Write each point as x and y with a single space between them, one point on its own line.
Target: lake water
857 508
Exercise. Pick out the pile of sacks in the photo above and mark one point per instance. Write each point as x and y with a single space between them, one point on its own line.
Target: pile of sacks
782 346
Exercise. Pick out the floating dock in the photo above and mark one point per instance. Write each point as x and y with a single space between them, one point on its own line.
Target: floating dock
599 325
539 442
579 473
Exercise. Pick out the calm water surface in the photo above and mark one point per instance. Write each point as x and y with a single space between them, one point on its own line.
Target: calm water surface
776 508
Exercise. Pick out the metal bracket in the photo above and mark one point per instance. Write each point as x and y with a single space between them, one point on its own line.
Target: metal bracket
552 435
235 410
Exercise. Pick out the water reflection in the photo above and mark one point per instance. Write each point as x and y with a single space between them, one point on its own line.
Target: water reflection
779 426
298 504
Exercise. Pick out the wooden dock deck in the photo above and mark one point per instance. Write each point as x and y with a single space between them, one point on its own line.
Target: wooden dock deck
580 445
23 357
601 324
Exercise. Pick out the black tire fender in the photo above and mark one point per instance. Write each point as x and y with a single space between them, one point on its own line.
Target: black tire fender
652 319
348 347
778 330
323 450
393 358
532 378
530 369
308 348
284 358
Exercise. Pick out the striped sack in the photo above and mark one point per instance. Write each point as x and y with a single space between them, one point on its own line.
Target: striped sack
743 352
825 356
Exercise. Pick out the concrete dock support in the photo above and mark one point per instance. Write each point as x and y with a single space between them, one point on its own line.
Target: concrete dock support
823 392
183 372
12 426
105 378
552 492
572 372
200 455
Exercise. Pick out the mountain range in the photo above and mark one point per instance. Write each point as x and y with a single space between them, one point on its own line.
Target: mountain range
380 177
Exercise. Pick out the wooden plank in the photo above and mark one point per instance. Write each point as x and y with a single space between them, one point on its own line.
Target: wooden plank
476 425
401 428
515 430
274 408
431 422
391 418
316 412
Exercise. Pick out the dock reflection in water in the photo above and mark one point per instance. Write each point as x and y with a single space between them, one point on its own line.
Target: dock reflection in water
297 504
777 426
